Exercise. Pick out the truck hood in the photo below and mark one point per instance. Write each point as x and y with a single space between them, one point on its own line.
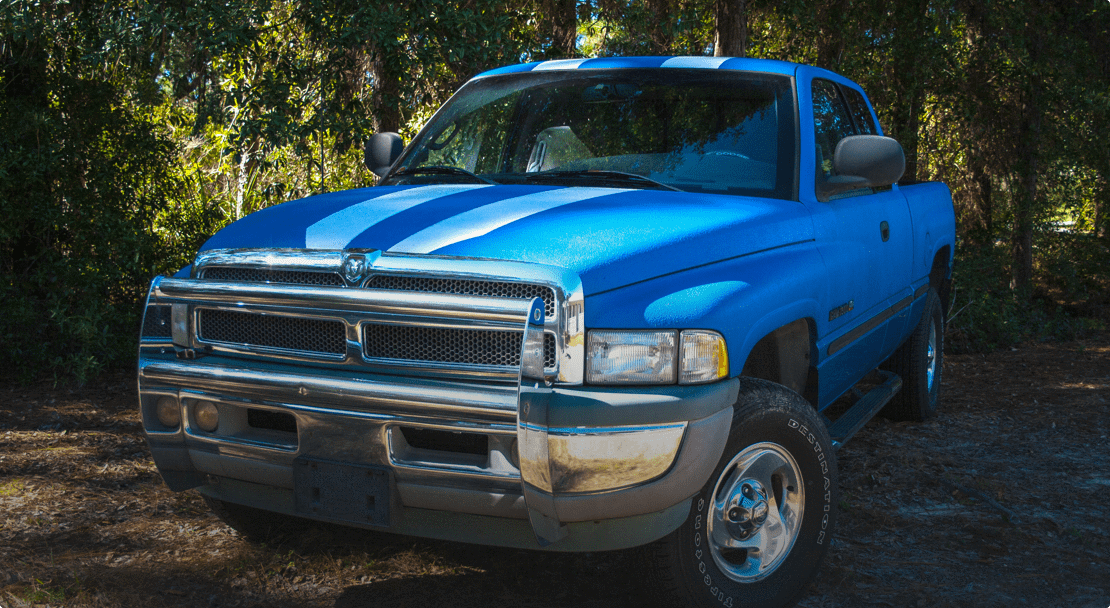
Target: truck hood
610 237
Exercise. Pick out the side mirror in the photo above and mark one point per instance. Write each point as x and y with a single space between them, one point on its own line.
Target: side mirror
382 150
865 161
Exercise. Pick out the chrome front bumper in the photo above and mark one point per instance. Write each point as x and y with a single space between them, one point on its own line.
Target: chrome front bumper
602 469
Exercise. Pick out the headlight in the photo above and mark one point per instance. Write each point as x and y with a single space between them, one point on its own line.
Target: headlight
655 357
630 357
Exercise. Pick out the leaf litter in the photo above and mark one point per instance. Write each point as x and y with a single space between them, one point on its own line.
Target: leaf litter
1003 500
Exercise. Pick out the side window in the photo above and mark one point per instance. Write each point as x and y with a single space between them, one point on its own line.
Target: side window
832 124
860 112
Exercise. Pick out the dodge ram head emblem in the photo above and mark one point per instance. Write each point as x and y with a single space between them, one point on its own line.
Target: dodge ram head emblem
353 267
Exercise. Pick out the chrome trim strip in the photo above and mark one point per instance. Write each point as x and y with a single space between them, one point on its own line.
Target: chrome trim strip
858 331
507 430
225 440
605 431
448 306
444 470
424 398
273 259
445 424
486 372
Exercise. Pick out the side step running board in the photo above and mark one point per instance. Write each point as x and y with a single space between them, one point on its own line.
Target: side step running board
853 420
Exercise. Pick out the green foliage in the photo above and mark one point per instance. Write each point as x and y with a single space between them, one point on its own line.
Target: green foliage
130 132
85 174
986 314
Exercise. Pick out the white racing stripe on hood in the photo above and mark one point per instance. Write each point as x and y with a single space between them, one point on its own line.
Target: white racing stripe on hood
341 227
488 218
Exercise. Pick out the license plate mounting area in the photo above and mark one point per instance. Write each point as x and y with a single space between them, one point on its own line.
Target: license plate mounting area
343 492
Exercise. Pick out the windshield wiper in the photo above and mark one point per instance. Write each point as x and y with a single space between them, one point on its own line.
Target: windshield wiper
601 174
442 170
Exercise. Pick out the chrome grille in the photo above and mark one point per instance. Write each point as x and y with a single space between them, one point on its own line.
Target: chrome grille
470 287
449 345
268 275
291 333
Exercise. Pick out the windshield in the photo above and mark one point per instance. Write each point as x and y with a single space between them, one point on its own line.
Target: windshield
694 130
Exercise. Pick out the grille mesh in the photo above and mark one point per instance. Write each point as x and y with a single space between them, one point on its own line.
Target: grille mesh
470 287
448 345
266 275
380 341
157 322
307 335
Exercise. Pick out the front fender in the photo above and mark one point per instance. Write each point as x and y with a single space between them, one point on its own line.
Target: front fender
743 299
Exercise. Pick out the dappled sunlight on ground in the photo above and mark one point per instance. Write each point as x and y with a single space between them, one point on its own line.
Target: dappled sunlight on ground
1000 501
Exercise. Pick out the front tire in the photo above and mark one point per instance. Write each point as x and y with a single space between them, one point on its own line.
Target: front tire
759 528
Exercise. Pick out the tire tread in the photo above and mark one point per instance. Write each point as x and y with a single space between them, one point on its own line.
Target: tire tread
663 558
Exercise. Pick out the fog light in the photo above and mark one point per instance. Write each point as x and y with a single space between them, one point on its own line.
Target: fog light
207 415
169 414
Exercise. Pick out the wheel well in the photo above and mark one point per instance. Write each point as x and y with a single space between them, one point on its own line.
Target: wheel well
785 356
940 280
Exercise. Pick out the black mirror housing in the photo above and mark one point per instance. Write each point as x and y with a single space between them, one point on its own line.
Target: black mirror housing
381 151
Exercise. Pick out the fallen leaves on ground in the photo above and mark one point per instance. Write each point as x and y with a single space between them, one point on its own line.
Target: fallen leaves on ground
1002 500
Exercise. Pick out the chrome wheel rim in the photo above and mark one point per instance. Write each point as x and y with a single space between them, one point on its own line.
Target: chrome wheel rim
931 357
756 512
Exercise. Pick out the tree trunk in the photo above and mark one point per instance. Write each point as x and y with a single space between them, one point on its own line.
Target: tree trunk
1102 207
908 79
662 35
984 199
387 97
1022 237
1032 114
561 23
732 29
830 42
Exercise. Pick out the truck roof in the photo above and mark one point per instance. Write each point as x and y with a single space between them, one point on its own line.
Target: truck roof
704 63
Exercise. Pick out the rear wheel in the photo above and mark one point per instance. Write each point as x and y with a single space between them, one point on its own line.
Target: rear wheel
919 361
759 528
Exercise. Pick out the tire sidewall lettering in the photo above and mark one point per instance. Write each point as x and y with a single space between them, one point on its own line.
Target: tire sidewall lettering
824 465
715 591
817 466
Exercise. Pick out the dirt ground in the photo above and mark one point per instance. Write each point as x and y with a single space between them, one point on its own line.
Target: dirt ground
1003 500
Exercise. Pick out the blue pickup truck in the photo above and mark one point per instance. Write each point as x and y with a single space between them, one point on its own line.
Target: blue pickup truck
596 304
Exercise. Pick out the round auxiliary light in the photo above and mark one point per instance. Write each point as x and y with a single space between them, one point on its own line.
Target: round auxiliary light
207 416
169 414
